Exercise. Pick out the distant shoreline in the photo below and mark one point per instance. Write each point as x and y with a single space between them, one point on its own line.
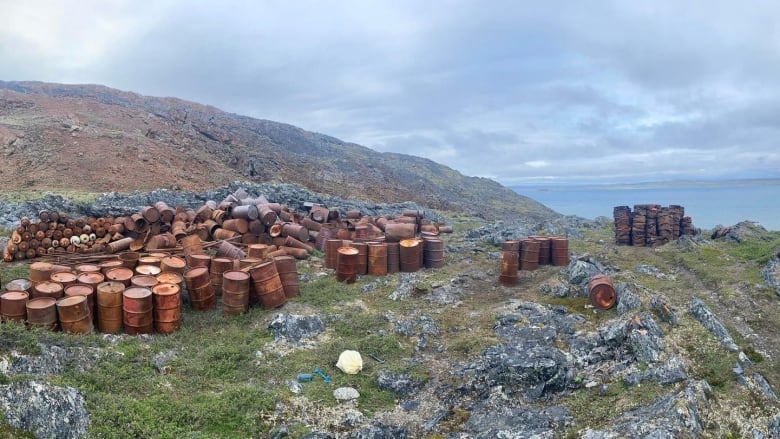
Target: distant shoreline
649 185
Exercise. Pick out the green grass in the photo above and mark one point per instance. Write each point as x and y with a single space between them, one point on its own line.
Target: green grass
759 250
20 196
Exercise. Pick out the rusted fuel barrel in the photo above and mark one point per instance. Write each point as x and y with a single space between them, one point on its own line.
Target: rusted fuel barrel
129 259
362 259
510 263
137 310
545 249
121 275
14 306
230 251
529 254
216 268
287 268
166 301
85 291
410 250
235 293
47 289
393 257
199 260
107 266
109 306
87 268
297 231
42 312
147 270
511 245
257 250
74 315
332 252
396 232
560 251
191 245
201 294
601 291
144 281
64 278
268 285
377 259
20 285
173 264
347 264
93 279
433 253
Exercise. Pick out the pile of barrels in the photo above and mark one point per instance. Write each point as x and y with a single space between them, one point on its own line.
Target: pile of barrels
143 293
527 254
650 224
239 217
385 246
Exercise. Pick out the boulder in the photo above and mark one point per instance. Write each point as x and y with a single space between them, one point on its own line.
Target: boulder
44 410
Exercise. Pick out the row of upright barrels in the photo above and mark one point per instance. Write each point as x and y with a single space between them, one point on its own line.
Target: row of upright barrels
351 258
527 254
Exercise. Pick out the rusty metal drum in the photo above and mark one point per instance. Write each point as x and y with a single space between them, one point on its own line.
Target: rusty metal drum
144 281
19 285
347 269
85 291
198 260
287 268
48 289
601 292
173 263
560 251
529 254
129 259
166 301
377 259
137 310
42 312
510 262
107 266
393 257
14 306
199 288
92 279
235 292
433 253
268 285
74 315
108 297
216 268
410 251
120 274
64 278
362 258
147 270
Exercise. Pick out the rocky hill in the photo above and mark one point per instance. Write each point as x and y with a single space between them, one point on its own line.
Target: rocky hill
98 139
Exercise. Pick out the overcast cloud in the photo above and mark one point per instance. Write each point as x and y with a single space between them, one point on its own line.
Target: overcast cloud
518 91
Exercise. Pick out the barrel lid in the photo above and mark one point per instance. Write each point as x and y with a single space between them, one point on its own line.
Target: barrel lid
152 270
412 242
348 250
91 278
129 256
111 287
110 264
281 258
119 274
200 257
165 289
63 276
18 285
87 268
195 272
160 255
41 266
78 290
15 295
238 275
222 260
137 293
48 287
144 280
174 261
169 277
71 300
41 303
149 260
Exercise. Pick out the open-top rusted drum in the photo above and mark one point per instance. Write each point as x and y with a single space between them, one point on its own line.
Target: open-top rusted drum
129 259
410 252
601 291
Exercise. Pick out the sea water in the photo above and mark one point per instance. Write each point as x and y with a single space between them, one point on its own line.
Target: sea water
708 204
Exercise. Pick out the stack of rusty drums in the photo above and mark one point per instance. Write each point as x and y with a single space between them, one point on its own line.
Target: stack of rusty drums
527 254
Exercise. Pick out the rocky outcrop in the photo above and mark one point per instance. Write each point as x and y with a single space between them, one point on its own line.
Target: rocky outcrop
713 324
44 410
740 232
294 328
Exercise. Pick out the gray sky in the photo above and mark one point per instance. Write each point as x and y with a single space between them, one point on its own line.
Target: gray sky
519 91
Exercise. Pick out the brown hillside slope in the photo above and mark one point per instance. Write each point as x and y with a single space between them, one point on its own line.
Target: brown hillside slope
94 138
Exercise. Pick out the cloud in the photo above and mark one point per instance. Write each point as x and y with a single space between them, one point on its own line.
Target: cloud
520 91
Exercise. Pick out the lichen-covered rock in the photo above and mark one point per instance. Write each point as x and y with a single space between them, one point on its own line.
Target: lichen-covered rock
400 383
645 338
517 422
771 274
670 372
45 410
380 431
533 373
670 416
773 426
660 306
740 232
52 360
710 321
627 300
295 328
